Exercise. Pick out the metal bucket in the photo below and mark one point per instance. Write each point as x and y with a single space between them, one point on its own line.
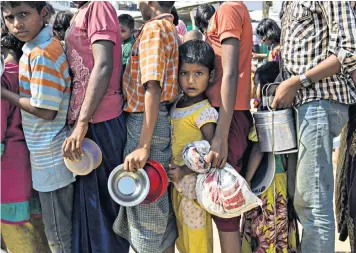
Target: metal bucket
276 130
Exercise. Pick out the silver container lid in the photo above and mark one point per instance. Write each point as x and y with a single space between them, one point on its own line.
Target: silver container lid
267 113
128 188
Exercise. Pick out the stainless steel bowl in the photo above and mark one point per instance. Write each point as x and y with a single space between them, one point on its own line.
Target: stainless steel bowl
128 188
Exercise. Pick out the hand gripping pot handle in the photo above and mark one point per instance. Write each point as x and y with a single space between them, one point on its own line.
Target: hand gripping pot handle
296 117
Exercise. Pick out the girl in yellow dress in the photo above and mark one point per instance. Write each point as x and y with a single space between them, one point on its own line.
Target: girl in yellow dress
193 119
272 229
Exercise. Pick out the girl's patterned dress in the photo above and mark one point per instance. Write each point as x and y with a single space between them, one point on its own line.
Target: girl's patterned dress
272 229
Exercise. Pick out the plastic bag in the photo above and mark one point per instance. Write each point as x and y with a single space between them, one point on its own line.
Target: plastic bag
221 192
194 156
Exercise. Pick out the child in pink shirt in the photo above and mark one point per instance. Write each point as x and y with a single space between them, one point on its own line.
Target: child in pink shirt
21 219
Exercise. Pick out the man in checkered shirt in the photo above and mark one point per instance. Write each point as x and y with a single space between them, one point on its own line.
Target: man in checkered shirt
319 61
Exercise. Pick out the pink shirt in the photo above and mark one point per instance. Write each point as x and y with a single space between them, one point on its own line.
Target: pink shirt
94 21
16 183
182 30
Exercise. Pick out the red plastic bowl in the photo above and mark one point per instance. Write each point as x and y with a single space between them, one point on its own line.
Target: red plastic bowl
158 181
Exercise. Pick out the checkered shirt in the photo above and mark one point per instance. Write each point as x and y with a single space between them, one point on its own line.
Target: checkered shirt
154 57
312 31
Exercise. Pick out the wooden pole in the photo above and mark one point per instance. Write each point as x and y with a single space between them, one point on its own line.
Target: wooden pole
191 12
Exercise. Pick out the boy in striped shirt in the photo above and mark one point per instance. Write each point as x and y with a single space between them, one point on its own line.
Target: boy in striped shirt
44 99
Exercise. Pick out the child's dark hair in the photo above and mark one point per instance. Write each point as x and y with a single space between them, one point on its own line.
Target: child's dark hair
270 30
38 5
127 20
166 4
267 73
10 42
203 15
62 21
174 12
197 52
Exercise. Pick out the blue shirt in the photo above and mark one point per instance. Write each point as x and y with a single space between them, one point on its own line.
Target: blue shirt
44 78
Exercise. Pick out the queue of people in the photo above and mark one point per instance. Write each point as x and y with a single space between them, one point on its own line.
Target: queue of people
146 94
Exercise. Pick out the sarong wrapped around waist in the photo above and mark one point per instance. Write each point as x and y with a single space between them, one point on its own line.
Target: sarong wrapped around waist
161 141
149 228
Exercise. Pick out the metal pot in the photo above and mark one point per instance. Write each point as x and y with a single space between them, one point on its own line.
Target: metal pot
276 130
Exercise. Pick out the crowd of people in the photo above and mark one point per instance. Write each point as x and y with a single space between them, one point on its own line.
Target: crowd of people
147 93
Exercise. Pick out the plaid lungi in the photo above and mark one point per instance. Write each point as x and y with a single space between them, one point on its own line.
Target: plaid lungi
149 228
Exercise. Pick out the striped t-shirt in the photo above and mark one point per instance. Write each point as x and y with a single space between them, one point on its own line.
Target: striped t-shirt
44 78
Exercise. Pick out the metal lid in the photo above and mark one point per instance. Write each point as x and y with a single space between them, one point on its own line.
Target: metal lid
267 113
128 188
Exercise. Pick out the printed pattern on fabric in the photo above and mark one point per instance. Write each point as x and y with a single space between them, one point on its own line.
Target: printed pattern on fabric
311 31
44 78
272 228
344 185
186 186
193 222
81 78
178 113
341 189
207 115
86 29
154 57
193 214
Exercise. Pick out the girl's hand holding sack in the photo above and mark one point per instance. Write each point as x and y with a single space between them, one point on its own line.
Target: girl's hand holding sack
221 192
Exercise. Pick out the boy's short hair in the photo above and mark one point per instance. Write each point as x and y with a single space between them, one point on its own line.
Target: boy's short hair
38 5
127 20
166 4
267 73
197 52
